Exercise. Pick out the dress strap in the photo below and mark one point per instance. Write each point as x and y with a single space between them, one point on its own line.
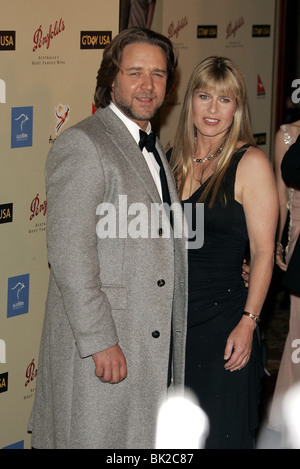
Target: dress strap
239 154
229 180
287 138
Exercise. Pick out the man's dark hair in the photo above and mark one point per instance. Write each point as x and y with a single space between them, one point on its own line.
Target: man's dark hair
112 58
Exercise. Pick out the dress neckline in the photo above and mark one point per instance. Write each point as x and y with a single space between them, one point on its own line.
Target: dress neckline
245 146
197 190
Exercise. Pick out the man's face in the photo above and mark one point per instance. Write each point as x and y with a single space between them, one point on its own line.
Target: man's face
140 85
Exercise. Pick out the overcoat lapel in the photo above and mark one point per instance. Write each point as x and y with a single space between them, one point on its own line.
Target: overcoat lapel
127 146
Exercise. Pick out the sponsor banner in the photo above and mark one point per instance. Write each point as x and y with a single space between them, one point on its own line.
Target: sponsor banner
95 39
3 382
240 30
42 37
6 213
17 445
261 30
17 295
49 65
21 127
207 31
49 55
7 40
260 138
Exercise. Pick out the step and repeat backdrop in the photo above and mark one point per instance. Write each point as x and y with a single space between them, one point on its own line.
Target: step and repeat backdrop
50 53
239 29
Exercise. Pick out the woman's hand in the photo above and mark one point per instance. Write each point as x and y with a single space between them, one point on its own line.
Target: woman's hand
239 345
246 273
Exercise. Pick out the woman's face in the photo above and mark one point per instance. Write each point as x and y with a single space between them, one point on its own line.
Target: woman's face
212 112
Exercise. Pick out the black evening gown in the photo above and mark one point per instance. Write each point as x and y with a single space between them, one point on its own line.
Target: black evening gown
217 297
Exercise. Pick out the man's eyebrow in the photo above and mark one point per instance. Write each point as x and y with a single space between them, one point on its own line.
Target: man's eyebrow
128 69
160 70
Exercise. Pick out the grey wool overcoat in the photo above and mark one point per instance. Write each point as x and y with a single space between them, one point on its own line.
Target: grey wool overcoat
106 289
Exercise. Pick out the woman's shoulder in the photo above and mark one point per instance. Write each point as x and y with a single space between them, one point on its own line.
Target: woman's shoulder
254 175
250 149
254 159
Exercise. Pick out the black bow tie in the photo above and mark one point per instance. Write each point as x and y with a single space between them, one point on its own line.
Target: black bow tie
147 141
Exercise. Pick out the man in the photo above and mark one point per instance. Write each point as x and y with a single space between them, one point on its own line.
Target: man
113 297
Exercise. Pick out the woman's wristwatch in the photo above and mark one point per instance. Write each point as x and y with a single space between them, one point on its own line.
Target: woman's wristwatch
252 316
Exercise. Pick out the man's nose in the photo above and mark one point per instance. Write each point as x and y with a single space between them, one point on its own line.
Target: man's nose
147 81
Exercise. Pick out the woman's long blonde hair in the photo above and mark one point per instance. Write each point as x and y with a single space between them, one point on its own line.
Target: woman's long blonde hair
220 74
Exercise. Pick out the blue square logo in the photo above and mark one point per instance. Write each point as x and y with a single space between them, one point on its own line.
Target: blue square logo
17 295
18 445
21 126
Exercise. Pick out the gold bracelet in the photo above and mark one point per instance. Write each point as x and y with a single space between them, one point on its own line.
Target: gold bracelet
252 316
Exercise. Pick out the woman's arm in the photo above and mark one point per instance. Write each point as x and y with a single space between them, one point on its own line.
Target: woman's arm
256 191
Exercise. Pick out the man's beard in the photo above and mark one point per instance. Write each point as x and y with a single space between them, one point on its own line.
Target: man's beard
129 110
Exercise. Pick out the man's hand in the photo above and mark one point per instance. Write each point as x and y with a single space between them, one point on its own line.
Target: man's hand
279 257
246 273
110 365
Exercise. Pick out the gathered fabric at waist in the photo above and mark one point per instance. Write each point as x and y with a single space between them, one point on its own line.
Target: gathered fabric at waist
215 278
206 305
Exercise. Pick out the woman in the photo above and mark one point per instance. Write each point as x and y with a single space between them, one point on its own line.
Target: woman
215 161
289 200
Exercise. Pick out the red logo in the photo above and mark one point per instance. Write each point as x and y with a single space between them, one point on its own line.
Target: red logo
260 87
62 115
41 40
36 207
231 30
174 31
31 373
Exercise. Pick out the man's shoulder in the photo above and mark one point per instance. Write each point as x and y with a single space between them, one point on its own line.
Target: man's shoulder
102 118
91 126
94 119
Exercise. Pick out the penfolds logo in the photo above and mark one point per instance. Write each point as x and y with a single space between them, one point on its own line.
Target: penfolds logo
40 39
174 30
31 372
232 29
36 207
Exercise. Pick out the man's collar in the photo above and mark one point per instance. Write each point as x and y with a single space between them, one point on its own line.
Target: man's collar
133 128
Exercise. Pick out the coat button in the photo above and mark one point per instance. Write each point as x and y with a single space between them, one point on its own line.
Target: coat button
161 282
155 334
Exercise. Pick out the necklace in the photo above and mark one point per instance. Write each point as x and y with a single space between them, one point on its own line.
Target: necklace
202 160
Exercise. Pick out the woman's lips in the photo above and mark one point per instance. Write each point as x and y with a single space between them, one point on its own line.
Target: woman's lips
211 121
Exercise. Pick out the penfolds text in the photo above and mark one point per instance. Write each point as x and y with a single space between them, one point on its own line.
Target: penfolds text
40 39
